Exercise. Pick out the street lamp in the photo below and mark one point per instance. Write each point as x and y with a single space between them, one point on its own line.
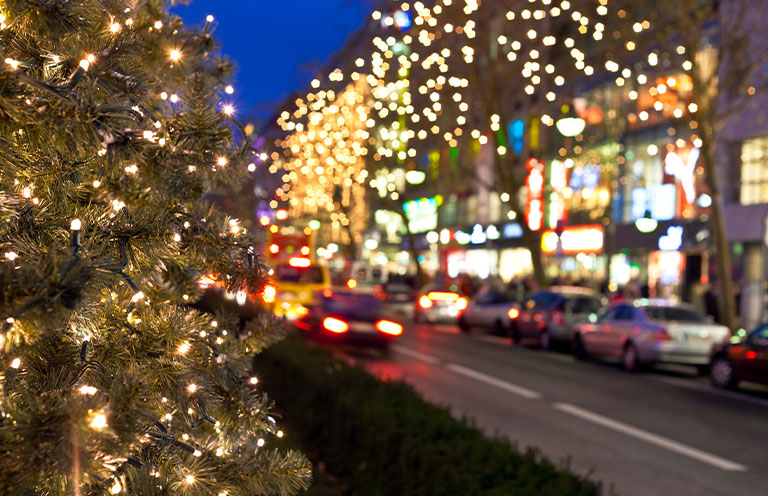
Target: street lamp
570 124
646 223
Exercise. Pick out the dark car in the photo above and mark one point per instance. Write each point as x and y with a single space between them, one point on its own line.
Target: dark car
551 315
347 316
745 360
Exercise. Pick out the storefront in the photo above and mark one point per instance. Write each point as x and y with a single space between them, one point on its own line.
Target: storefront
671 260
575 252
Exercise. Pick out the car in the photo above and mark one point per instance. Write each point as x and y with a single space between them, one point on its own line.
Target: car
439 305
649 331
296 283
742 360
491 310
549 316
344 315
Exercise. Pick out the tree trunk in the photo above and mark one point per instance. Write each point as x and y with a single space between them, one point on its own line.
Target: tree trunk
531 239
717 226
421 276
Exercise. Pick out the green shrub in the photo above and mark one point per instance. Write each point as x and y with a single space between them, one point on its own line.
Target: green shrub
382 439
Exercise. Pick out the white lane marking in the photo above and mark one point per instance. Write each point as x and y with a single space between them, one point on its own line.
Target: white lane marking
493 381
687 383
651 438
415 354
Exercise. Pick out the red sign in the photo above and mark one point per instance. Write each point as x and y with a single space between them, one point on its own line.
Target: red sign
534 205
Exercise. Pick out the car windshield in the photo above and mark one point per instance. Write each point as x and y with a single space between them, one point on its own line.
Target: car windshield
583 304
303 275
677 314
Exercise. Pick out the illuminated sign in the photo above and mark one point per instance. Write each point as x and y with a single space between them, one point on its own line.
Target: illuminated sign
673 240
534 207
683 172
478 237
513 231
422 214
573 240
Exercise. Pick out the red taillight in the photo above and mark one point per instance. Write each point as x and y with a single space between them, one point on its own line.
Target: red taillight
558 318
327 293
425 302
462 304
513 313
352 284
302 311
660 335
389 327
269 293
335 325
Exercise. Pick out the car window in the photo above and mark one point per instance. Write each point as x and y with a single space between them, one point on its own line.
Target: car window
351 303
760 336
625 312
582 304
609 315
303 275
678 314
541 300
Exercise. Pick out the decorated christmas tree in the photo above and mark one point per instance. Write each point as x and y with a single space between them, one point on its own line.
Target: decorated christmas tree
114 123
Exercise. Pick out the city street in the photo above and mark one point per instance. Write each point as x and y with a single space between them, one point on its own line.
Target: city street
660 432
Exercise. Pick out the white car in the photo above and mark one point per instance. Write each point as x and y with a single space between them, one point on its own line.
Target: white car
651 331
489 310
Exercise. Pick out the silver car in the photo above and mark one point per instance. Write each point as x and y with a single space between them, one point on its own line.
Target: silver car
651 331
489 310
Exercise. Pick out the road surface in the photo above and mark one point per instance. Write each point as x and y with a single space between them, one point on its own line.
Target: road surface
659 432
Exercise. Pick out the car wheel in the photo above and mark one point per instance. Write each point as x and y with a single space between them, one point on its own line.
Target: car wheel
463 326
577 346
499 329
545 340
630 359
721 373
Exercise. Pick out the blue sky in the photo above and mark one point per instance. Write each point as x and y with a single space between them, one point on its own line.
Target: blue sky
278 45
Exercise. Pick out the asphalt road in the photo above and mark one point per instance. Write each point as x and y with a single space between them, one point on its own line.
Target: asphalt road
659 432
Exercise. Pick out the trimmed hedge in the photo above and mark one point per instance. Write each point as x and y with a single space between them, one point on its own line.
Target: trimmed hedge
382 439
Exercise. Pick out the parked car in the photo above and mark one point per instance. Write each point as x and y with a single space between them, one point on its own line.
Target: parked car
342 315
550 315
745 360
651 331
439 305
489 310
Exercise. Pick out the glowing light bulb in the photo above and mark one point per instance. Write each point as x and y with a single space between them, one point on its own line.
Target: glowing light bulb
75 225
192 388
221 161
16 363
209 18
229 109
175 54
189 479
98 422
158 24
229 89
116 488
254 380
184 347
114 27
11 255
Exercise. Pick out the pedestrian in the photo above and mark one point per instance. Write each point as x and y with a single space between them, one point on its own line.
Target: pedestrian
710 303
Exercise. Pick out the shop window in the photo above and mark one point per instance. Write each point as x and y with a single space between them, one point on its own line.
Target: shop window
754 171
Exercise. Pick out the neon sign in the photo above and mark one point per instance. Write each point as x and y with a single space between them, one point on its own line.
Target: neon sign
573 240
534 207
673 240
683 172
